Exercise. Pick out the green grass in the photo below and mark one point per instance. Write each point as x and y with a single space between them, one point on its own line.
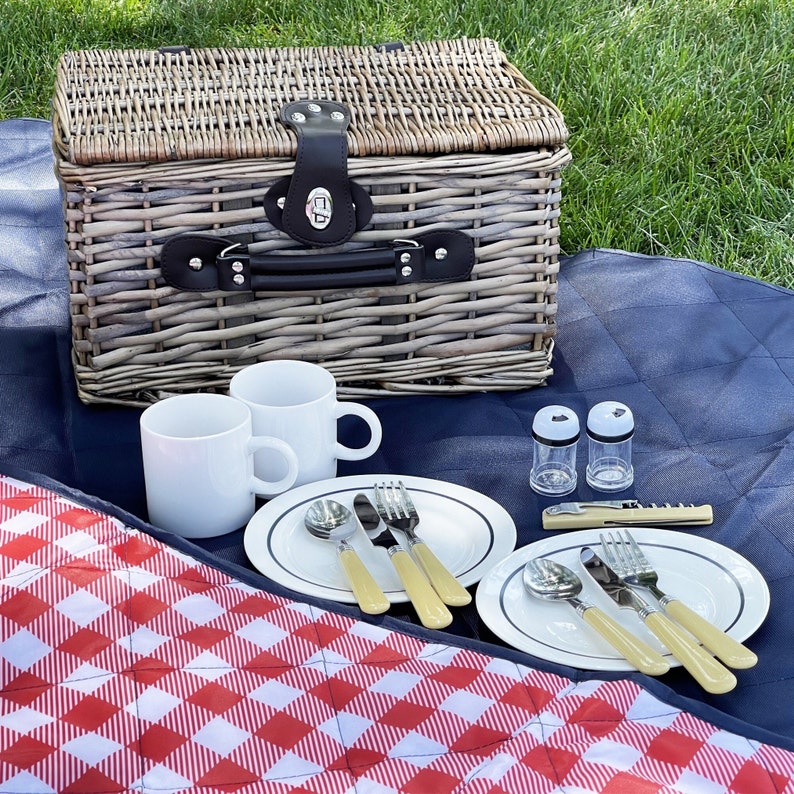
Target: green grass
681 114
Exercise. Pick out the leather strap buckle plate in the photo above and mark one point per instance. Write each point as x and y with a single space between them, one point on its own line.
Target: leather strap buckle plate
318 205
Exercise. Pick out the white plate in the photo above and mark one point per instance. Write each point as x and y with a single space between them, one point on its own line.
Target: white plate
712 579
467 531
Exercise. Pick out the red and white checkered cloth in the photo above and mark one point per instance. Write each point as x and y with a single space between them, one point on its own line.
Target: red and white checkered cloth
127 666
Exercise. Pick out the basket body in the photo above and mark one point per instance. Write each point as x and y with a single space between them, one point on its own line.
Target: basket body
150 145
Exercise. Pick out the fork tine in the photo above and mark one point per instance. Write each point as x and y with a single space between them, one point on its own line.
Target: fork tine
607 546
604 540
626 558
394 500
626 555
407 502
385 502
641 562
613 551
380 501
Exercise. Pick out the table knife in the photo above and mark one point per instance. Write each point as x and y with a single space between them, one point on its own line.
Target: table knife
702 666
429 607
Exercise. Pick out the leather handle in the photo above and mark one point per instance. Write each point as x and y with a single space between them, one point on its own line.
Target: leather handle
205 263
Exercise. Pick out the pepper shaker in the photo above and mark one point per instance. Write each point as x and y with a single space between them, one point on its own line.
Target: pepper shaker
610 428
555 433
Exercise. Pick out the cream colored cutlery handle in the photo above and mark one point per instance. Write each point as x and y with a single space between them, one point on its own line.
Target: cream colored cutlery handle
449 589
431 611
702 666
370 597
593 516
638 653
733 653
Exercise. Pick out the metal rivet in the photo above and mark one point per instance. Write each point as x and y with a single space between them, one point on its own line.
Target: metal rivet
239 280
407 270
313 108
337 116
195 263
299 118
405 258
237 267
441 253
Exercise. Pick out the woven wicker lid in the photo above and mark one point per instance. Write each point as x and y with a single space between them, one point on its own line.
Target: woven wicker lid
132 106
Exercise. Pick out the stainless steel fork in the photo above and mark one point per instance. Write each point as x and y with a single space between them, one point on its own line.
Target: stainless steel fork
631 563
397 510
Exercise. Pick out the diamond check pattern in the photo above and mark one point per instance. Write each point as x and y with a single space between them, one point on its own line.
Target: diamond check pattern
126 666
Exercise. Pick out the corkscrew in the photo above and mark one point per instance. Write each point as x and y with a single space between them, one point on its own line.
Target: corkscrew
623 513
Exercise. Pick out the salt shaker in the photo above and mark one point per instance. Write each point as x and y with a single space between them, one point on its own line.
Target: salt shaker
555 433
610 428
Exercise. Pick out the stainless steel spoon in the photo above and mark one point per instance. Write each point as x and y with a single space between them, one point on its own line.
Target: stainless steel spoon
551 581
327 519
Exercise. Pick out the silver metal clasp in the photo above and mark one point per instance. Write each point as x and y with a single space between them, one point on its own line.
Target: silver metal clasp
319 208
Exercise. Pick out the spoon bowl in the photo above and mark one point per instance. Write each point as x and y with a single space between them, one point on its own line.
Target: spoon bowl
549 580
329 520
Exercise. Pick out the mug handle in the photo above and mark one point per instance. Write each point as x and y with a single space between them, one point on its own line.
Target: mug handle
370 417
263 487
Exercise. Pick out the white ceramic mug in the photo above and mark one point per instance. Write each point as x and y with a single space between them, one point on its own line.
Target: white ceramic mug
198 464
296 402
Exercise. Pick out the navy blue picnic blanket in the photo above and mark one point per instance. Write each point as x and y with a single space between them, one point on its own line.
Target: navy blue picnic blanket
704 357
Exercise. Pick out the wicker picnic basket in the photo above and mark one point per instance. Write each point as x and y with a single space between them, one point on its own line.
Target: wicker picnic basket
204 234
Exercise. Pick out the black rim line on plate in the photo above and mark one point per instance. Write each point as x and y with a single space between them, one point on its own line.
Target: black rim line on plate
335 493
520 630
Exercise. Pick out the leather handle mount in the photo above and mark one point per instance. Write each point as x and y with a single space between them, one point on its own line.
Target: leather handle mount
203 263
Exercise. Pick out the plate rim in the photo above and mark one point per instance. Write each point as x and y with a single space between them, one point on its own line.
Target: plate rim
489 605
498 518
